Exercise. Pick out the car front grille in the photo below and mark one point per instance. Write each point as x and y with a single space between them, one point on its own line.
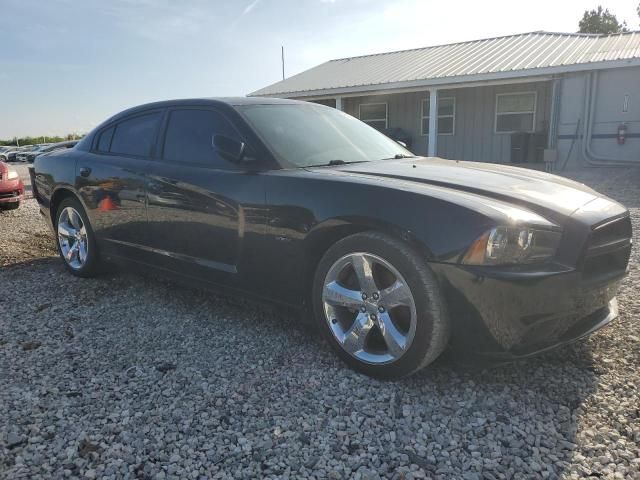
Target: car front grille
15 193
608 249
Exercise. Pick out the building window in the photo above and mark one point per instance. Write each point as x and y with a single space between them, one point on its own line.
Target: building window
374 114
515 112
446 115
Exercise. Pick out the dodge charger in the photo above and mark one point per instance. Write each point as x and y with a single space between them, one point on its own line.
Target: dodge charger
395 257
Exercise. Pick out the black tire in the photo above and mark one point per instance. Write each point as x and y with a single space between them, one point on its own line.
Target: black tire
10 206
92 264
432 326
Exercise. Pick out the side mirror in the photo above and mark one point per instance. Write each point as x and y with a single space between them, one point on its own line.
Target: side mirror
230 148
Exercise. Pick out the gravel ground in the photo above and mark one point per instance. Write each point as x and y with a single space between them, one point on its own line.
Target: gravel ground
23 235
130 377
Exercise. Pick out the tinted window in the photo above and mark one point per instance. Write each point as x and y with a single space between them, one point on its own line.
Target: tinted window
136 135
104 142
189 137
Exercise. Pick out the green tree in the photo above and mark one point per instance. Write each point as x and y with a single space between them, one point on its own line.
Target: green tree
600 21
36 140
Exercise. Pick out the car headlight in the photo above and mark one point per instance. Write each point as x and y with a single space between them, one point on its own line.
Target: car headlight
513 245
12 174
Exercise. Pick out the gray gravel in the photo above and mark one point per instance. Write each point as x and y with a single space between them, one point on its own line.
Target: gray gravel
131 377
24 236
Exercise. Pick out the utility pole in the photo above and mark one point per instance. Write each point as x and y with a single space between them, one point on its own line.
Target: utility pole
282 51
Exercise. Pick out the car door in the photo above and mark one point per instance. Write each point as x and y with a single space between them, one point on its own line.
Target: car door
111 180
203 210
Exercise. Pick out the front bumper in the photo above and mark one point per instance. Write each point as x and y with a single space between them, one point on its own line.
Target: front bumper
512 313
11 193
11 199
584 327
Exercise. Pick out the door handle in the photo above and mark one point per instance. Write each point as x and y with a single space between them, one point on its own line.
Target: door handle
85 171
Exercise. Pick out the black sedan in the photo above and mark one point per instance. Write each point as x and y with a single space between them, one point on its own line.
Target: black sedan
395 257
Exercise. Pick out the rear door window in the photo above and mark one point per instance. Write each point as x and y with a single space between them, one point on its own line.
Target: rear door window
135 136
189 138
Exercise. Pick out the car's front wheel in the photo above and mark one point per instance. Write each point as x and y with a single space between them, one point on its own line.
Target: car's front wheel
380 306
75 238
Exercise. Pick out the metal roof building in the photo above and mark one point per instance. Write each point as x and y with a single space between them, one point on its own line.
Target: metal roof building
534 73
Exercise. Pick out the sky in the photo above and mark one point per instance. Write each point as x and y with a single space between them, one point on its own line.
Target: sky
66 65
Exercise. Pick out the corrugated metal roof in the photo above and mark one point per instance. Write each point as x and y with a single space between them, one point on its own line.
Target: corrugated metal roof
527 53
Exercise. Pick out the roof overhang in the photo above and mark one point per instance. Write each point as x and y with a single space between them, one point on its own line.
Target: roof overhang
463 81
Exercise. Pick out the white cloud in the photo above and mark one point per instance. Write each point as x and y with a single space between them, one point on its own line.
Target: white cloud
253 4
250 7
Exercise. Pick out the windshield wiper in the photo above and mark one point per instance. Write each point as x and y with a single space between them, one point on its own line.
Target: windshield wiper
330 163
398 156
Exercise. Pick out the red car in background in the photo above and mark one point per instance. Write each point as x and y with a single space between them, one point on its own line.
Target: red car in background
11 187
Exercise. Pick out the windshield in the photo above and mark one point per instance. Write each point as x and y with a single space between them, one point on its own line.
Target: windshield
307 135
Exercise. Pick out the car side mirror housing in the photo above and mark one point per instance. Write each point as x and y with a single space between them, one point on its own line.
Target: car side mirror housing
232 149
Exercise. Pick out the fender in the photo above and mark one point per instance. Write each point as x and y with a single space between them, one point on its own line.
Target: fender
54 174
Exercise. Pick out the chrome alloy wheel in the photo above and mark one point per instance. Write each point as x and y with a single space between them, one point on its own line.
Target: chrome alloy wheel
369 308
72 237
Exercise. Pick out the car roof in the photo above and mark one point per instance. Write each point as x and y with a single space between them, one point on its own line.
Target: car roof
235 101
230 101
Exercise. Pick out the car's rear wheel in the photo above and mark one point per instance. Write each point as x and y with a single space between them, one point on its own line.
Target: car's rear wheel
75 238
380 306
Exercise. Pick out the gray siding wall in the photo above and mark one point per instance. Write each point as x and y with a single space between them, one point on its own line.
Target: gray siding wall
474 137
403 111
613 86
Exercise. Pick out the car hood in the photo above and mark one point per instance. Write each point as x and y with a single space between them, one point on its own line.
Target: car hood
532 188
